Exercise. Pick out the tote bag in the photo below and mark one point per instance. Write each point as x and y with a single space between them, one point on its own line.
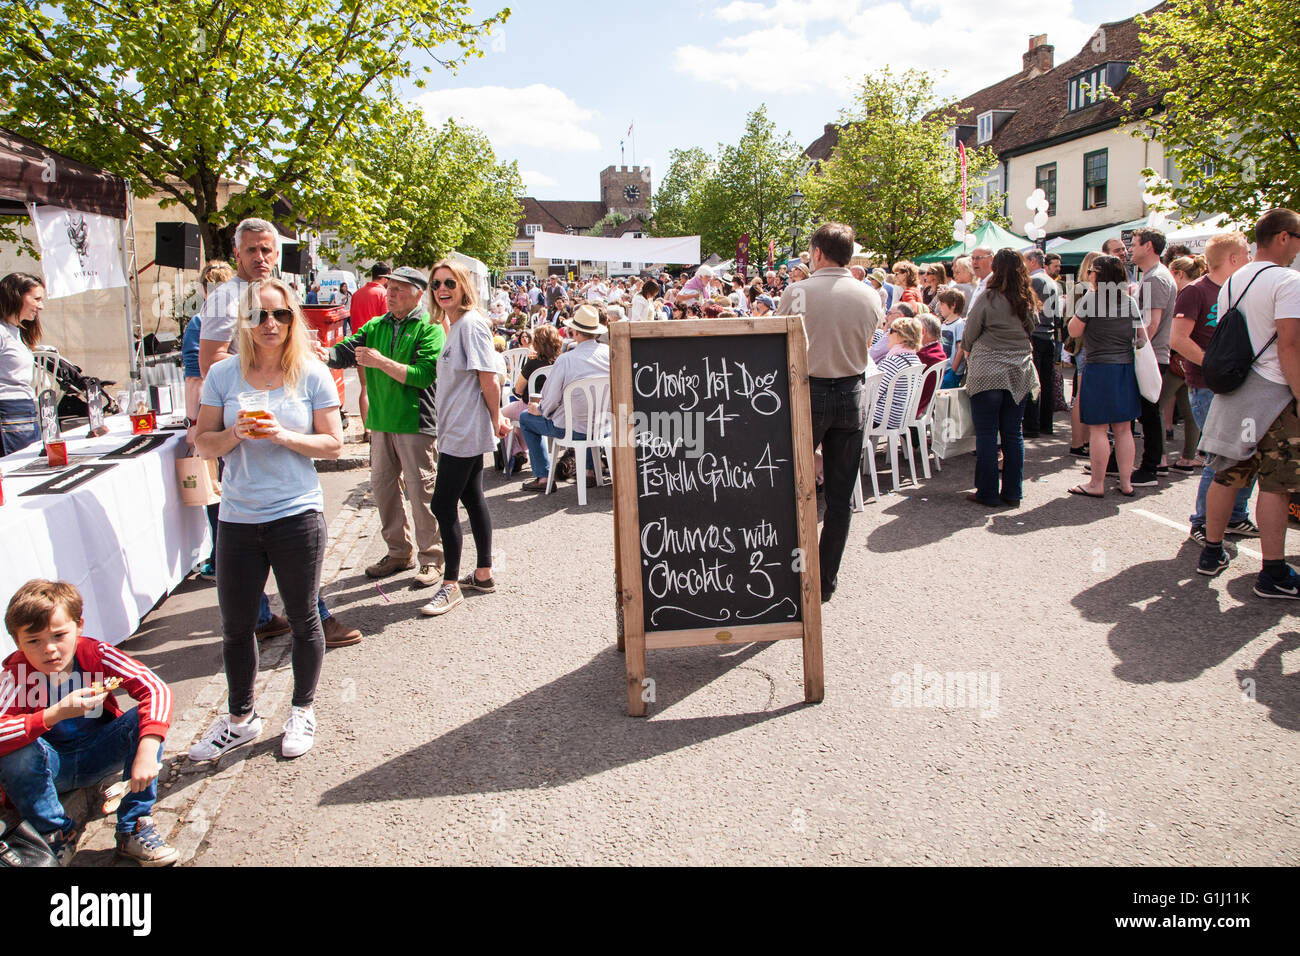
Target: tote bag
1148 371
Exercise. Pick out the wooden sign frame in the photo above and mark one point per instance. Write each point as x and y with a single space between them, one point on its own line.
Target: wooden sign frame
633 639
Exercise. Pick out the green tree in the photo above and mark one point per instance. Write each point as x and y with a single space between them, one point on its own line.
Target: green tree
435 190
1227 77
744 188
610 221
181 95
894 174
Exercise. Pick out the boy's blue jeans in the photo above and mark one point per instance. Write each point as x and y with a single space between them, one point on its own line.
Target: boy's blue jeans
1200 399
35 775
264 611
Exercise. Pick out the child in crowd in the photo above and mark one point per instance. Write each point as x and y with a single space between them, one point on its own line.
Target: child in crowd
61 728
952 306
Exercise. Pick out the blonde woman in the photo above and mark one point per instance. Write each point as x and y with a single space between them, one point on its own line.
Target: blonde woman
271 505
469 424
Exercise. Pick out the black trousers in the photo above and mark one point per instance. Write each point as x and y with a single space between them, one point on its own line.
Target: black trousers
839 415
1038 414
461 480
1153 432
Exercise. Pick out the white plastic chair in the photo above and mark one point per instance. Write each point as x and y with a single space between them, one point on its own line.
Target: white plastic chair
872 388
924 421
534 393
515 359
595 425
883 399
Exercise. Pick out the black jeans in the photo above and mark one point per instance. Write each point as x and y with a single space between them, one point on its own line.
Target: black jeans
294 548
1038 414
461 480
1153 432
839 416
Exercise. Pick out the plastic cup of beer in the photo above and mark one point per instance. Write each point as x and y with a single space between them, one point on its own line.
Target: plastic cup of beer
254 406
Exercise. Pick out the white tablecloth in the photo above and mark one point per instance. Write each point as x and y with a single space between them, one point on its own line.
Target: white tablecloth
123 537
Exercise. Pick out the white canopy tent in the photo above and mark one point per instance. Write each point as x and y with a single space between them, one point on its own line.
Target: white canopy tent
674 250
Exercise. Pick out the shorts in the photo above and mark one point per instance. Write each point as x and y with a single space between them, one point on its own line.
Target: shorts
1276 458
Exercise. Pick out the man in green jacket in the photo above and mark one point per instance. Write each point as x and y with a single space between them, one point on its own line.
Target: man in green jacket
398 353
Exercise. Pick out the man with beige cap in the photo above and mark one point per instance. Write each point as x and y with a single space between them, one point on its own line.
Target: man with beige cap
545 417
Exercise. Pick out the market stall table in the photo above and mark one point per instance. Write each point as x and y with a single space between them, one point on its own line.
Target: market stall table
123 537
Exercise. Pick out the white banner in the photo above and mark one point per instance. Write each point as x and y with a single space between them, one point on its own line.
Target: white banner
79 251
675 250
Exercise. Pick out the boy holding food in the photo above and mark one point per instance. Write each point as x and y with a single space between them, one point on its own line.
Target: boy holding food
61 729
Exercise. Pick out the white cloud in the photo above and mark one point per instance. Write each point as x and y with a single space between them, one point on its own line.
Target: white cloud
536 116
534 180
789 47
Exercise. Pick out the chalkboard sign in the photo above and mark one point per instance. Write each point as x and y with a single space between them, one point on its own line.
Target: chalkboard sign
715 502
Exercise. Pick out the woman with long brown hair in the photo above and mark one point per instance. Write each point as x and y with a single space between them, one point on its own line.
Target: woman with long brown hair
22 296
1000 376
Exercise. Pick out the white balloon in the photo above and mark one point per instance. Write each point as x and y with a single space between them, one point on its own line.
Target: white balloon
1040 218
970 218
1029 229
1042 206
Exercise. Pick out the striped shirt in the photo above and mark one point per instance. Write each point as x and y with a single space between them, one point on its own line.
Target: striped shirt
889 369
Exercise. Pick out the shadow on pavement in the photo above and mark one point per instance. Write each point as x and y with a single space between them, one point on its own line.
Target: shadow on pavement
567 730
1170 636
1271 687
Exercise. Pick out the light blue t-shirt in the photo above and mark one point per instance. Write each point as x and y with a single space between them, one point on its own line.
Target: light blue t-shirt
264 481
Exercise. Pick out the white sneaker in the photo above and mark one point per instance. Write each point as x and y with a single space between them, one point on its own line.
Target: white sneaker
299 732
224 735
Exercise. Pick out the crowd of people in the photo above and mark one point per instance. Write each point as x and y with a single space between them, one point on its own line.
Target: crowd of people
260 399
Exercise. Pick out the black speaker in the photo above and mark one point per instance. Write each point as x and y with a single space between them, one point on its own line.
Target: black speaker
293 258
177 245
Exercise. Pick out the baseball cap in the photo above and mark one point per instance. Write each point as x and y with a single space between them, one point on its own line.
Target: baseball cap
409 275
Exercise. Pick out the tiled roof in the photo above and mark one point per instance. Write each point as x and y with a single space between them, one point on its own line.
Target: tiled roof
1040 102
557 215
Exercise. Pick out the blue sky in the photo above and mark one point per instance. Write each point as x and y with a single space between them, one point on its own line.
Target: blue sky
561 83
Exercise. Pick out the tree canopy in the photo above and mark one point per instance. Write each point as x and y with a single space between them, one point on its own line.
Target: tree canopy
1228 77
430 191
894 174
178 96
743 188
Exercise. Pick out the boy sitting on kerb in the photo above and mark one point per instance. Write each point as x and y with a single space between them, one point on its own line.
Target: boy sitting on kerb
61 728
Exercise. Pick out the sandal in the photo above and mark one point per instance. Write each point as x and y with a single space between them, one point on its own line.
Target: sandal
1127 494
1079 490
535 484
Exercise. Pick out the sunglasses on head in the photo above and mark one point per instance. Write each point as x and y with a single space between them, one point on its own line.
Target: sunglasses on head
437 284
281 316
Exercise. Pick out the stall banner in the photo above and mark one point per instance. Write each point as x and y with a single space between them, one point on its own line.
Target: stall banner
79 251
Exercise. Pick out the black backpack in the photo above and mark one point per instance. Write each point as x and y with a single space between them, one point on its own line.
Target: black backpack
1229 355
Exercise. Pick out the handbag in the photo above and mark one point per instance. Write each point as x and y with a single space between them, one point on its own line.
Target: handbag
23 846
1058 389
197 478
1148 370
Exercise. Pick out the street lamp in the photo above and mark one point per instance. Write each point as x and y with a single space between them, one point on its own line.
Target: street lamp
796 202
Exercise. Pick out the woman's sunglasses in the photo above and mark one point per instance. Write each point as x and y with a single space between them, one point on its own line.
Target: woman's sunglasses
437 284
282 316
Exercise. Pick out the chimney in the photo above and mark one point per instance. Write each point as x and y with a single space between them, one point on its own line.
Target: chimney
1041 55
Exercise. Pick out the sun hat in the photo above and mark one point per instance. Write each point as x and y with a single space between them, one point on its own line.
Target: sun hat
586 320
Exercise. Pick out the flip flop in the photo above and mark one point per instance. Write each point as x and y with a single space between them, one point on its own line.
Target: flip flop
1127 494
1078 490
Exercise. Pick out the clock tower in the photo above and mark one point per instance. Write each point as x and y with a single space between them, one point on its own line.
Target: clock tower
626 190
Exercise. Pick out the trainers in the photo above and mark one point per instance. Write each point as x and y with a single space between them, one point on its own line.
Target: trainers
1288 588
1210 564
471 583
446 599
389 565
1144 479
1197 534
299 732
63 844
224 736
208 572
273 628
146 846
1245 527
339 635
427 576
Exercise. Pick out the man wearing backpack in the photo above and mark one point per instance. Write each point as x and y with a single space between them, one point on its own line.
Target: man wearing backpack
1267 293
1196 315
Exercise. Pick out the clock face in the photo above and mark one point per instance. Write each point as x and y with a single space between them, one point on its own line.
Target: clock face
633 193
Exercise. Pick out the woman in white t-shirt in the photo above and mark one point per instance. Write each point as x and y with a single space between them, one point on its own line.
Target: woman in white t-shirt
645 305
469 423
272 507
22 296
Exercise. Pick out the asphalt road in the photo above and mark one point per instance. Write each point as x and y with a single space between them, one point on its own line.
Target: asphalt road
1125 710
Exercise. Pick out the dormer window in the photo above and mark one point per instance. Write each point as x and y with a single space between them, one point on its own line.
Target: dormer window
1092 86
532 229
985 127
